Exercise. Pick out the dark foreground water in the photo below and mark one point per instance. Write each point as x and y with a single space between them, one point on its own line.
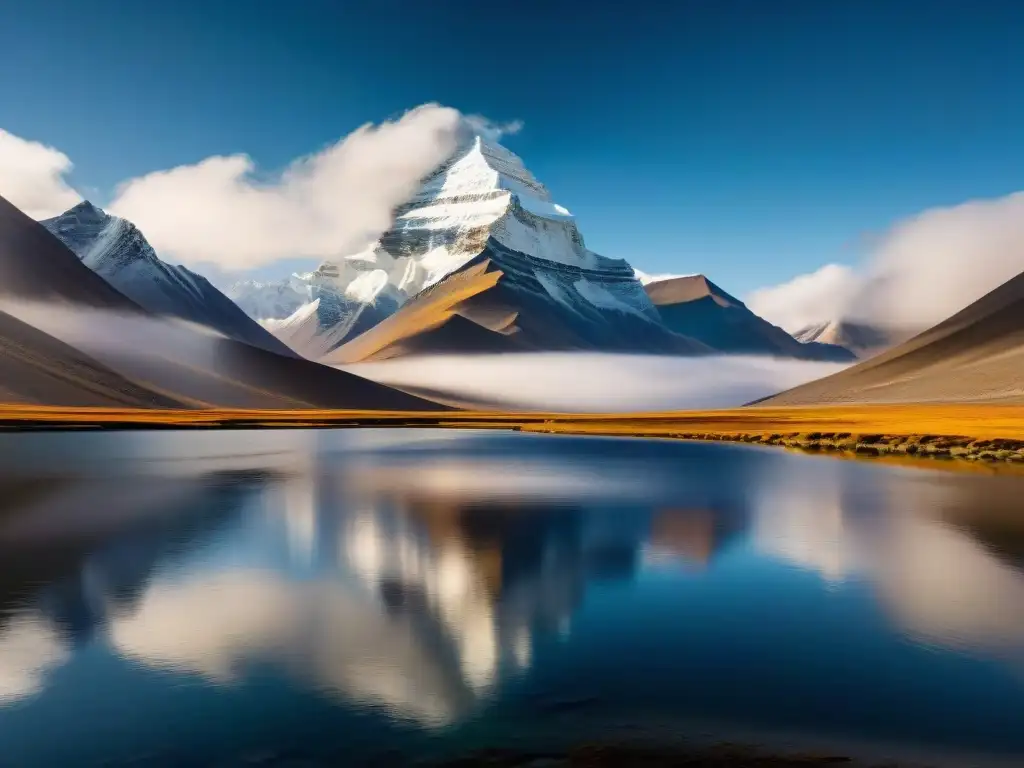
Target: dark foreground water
214 598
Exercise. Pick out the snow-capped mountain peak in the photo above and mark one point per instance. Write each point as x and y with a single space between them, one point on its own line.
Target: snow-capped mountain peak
481 203
483 190
116 249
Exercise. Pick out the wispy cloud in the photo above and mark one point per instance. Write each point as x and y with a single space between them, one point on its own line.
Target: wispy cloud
491 130
824 294
33 176
328 204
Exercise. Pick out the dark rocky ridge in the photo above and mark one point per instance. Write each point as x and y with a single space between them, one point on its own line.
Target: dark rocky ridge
696 307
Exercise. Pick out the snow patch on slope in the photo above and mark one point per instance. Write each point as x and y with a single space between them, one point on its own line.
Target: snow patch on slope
554 289
600 296
367 286
298 317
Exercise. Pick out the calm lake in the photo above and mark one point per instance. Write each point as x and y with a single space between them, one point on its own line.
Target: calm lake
213 598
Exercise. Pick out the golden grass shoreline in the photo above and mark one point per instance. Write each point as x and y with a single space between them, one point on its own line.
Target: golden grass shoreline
987 432
980 421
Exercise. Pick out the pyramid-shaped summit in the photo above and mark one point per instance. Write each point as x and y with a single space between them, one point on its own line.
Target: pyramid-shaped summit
489 262
480 209
484 195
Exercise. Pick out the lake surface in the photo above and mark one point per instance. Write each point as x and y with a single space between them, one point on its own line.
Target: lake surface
220 597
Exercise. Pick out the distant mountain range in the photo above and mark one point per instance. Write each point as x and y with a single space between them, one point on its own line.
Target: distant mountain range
482 259
316 312
860 337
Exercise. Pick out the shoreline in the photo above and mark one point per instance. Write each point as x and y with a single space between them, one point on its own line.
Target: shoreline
971 433
939 447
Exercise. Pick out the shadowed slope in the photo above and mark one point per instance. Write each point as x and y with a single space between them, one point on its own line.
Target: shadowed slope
694 306
40 369
35 265
977 355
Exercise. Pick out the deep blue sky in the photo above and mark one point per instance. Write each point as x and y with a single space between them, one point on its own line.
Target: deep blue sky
750 140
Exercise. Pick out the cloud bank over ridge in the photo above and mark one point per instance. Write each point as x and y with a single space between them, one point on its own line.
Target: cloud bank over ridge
925 269
330 203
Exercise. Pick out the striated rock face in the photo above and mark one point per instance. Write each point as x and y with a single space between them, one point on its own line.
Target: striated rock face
483 192
484 202
482 205
695 306
118 252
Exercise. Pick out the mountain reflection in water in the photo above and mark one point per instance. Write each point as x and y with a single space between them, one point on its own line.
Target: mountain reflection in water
198 596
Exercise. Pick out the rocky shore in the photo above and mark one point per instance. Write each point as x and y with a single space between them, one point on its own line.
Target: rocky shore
920 446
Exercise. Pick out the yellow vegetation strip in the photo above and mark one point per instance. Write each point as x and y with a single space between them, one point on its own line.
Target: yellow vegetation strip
986 432
979 421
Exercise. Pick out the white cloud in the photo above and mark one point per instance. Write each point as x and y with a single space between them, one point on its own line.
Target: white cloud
806 299
327 204
924 269
228 214
934 264
32 176
581 382
491 130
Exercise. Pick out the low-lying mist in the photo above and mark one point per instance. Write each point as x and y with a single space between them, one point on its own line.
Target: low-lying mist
160 349
106 333
595 382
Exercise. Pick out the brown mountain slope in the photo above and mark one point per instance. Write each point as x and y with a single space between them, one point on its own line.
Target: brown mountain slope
456 315
484 307
48 289
40 369
977 355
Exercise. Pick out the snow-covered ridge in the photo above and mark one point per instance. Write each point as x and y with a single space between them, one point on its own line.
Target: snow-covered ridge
110 246
115 249
483 191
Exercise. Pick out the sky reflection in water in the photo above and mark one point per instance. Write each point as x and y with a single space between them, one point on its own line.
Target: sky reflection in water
207 595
